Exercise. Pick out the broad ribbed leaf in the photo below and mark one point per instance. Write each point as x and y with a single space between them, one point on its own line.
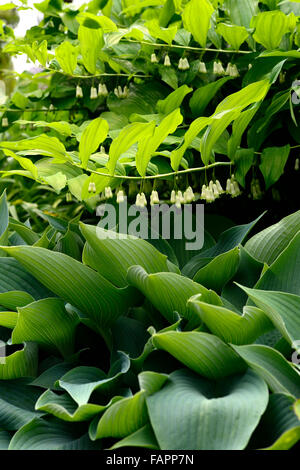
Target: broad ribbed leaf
115 253
281 308
204 353
17 400
14 299
168 292
272 165
279 374
173 100
79 285
91 42
21 363
49 324
228 325
143 437
211 417
196 19
66 54
270 26
233 34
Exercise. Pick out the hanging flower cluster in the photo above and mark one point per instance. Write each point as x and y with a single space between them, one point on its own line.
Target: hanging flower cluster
232 187
121 93
183 64
212 192
94 93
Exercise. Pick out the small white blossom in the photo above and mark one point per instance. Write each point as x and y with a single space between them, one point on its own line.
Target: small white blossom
121 93
203 193
218 68
120 196
178 201
188 195
173 197
297 164
154 199
183 64
108 192
202 67
167 62
154 58
141 200
232 70
51 107
102 89
4 122
93 94
219 186
79 93
92 187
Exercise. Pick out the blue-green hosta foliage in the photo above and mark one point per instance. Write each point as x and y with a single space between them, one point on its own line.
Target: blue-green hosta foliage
148 88
106 343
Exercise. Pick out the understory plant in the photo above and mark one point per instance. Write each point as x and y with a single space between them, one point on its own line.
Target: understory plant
160 348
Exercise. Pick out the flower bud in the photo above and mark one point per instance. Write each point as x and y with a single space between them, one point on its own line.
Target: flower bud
93 94
92 187
218 68
154 199
167 62
120 196
154 58
79 93
108 192
173 197
202 67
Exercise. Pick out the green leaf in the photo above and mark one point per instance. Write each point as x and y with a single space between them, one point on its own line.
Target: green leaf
173 100
39 434
211 417
279 428
228 325
115 253
91 42
203 95
204 353
243 161
168 292
130 135
282 275
165 34
219 271
281 308
21 363
148 146
143 437
233 35
267 245
14 299
241 12
66 54
49 324
272 367
40 145
17 403
82 381
91 293
93 135
196 19
272 165
65 408
270 26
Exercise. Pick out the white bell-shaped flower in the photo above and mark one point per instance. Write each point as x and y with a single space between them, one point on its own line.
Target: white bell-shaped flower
167 62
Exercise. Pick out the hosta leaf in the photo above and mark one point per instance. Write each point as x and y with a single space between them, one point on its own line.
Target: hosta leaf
168 292
282 275
91 43
273 161
93 135
196 19
270 26
148 146
66 54
4 217
211 417
48 323
122 418
17 400
143 437
81 381
228 325
202 352
115 253
233 34
5 438
173 100
267 245
39 434
77 284
229 239
219 271
128 136
21 363
272 367
65 408
8 319
281 308
128 415
279 428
